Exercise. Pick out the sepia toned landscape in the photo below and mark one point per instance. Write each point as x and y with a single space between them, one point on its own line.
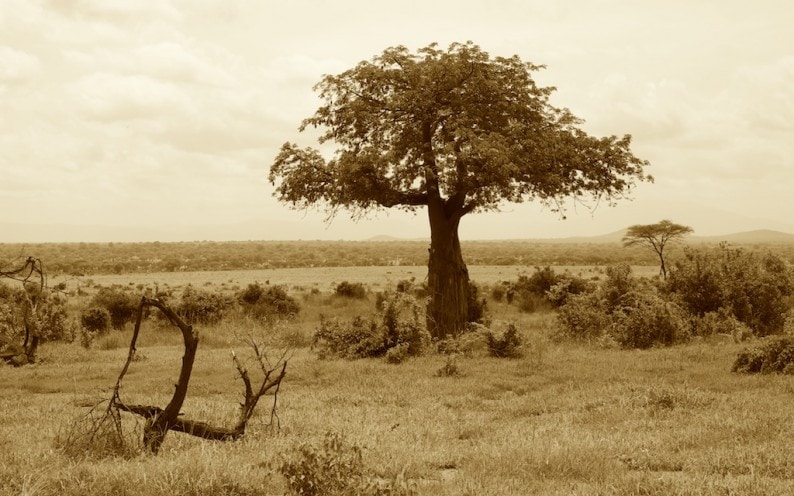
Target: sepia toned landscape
560 413
357 248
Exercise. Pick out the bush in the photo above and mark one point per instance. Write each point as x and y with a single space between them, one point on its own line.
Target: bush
756 290
400 323
120 305
775 354
95 320
202 307
335 468
644 320
268 303
720 322
626 310
351 290
583 317
544 288
51 319
506 345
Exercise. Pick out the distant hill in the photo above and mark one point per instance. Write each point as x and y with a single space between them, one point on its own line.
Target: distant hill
761 236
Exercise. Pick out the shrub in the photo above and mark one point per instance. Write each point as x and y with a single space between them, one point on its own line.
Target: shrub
335 468
720 322
400 323
498 292
506 345
202 307
120 305
625 310
95 320
450 367
754 289
583 317
268 303
351 290
251 294
775 354
51 319
398 353
544 288
644 320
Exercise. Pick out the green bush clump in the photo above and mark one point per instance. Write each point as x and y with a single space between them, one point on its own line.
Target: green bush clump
625 309
583 317
644 319
351 290
756 290
506 344
120 305
333 469
268 302
95 319
544 289
720 322
774 355
400 323
202 307
51 320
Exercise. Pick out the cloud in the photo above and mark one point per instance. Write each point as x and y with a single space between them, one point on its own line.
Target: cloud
114 97
116 10
17 66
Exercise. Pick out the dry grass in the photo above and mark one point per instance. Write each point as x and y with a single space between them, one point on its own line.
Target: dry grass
564 419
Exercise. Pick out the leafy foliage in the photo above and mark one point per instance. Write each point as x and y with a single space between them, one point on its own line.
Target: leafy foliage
202 307
120 305
629 311
351 290
544 288
399 325
481 126
458 132
268 302
51 318
95 319
656 237
506 345
754 289
774 354
335 468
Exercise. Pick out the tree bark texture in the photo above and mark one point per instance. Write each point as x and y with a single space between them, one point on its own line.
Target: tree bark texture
448 277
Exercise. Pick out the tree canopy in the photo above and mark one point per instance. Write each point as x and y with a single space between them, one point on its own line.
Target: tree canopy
454 130
473 130
656 236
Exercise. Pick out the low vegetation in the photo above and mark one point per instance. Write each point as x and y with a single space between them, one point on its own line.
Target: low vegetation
374 406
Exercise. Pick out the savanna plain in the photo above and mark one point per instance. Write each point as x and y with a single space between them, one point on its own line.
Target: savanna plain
558 416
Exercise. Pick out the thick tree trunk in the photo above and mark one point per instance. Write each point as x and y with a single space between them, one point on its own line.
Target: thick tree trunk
448 277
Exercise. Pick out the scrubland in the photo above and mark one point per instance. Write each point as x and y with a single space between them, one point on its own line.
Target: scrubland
564 418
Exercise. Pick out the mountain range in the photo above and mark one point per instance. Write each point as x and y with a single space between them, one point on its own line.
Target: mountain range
25 233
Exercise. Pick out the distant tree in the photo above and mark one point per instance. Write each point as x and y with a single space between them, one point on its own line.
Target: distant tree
656 237
455 131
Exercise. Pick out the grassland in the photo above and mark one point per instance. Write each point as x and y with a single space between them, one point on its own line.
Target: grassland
563 419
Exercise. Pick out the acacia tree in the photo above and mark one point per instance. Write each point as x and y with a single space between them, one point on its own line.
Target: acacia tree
455 131
656 237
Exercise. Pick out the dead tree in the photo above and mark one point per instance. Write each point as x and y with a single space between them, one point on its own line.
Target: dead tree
160 420
34 283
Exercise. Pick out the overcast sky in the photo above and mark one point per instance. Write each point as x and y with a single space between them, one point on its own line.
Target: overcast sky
169 113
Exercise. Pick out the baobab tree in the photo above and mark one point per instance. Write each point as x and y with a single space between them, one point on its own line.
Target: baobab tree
656 237
458 132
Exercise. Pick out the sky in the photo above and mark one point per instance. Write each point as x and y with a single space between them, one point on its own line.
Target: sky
159 119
